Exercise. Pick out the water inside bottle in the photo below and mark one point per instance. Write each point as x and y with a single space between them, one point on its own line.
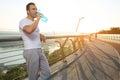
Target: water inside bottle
43 18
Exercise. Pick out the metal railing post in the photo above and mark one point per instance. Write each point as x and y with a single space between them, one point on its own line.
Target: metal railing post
61 48
82 42
73 44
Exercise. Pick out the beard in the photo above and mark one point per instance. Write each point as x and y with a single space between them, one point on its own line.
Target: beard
34 16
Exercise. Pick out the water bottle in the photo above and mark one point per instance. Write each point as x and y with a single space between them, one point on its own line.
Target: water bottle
43 18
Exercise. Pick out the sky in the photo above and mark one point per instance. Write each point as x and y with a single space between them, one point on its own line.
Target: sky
63 15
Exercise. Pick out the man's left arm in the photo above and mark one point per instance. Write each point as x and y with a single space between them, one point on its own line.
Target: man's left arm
42 38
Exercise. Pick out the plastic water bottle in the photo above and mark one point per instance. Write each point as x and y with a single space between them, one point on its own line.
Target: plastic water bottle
43 18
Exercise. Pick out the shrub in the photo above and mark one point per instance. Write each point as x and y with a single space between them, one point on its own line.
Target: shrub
1 74
15 73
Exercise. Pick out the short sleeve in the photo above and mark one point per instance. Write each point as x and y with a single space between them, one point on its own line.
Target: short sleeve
22 23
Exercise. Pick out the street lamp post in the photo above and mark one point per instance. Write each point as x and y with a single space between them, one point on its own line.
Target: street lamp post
79 23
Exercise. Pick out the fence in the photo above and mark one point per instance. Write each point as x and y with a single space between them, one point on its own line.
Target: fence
114 38
57 47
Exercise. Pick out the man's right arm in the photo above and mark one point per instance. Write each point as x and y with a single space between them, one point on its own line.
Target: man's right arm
30 28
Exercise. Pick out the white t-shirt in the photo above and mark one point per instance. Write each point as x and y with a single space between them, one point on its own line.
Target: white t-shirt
32 40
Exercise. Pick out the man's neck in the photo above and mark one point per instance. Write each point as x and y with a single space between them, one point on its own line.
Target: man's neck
31 18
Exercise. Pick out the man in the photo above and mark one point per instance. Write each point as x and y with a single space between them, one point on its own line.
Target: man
33 54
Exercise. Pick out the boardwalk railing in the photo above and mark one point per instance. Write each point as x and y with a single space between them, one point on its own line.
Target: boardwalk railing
11 48
114 38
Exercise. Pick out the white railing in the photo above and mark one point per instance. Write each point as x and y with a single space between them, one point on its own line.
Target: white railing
114 38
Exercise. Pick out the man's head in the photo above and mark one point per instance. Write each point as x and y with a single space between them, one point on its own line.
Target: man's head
31 9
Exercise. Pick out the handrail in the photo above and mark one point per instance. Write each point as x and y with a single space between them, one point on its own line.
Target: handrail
18 38
5 39
10 38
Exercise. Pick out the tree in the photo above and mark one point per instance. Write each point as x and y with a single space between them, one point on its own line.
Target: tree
113 30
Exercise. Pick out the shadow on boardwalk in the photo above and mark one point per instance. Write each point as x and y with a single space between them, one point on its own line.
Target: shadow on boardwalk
100 61
116 46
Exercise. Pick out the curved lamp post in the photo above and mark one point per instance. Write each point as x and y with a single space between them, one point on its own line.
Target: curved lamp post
79 23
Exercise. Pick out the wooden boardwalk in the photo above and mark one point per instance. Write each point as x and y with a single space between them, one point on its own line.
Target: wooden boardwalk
100 61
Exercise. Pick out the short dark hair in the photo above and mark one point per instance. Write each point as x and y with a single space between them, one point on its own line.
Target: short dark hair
28 5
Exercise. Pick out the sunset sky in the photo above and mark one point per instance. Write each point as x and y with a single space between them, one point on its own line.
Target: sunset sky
63 15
